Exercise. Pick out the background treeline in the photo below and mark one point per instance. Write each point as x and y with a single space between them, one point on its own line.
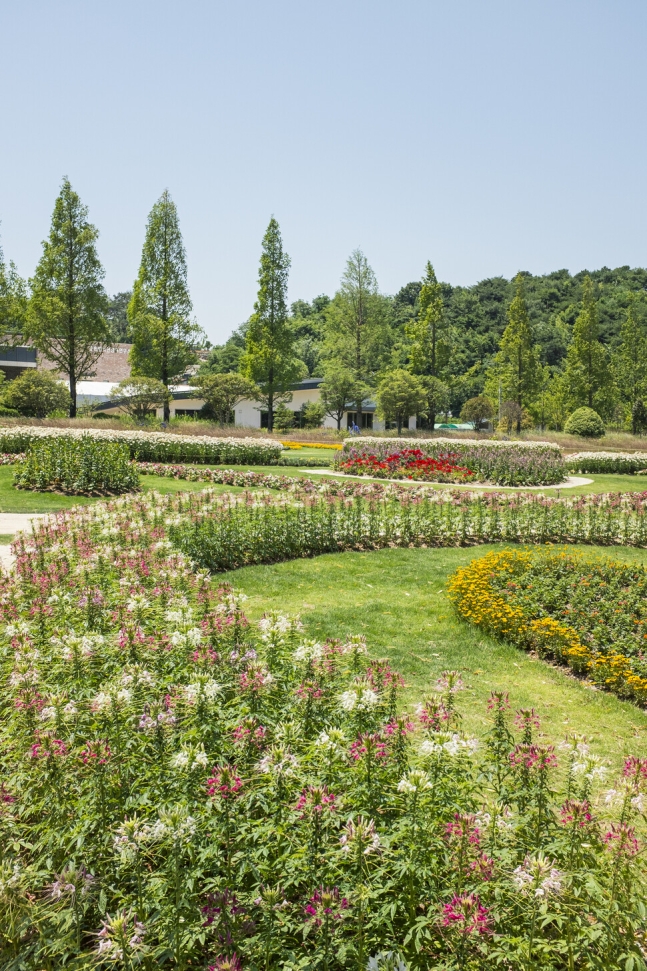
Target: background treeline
474 321
524 352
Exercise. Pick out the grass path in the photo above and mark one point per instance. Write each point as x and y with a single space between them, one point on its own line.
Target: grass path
396 598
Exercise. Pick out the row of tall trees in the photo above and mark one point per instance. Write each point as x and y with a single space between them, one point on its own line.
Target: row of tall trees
427 349
413 362
64 309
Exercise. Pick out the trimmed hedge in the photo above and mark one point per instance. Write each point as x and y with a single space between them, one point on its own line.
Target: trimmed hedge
80 467
620 463
502 463
154 446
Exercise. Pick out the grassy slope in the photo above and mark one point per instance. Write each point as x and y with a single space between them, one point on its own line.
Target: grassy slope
396 598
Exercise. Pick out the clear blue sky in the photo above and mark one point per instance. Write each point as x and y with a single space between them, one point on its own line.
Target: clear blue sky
485 135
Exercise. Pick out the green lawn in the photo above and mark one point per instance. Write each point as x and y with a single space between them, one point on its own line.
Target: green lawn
23 500
396 598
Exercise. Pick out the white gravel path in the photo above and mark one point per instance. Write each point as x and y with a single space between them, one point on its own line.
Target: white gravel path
570 482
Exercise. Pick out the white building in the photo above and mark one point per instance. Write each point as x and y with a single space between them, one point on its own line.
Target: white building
186 403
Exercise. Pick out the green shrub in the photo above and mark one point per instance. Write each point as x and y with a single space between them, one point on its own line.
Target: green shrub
79 467
585 422
36 394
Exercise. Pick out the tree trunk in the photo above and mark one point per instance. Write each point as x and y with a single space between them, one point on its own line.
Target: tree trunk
431 418
340 415
399 425
270 401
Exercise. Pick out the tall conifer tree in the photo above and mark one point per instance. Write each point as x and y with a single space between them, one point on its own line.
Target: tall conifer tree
66 319
13 301
517 368
587 375
269 359
164 333
630 362
430 335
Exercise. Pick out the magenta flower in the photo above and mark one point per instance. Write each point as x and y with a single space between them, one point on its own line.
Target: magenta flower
226 963
526 718
315 800
372 746
225 782
463 827
498 701
577 814
621 839
533 757
635 768
96 753
467 915
325 905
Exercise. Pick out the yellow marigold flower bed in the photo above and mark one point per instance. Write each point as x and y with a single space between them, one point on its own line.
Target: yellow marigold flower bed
512 593
309 445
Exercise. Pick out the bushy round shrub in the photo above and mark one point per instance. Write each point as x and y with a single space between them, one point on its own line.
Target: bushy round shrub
585 422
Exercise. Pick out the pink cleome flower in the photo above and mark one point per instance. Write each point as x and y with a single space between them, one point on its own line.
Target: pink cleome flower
533 757
315 800
621 839
463 827
635 768
577 814
467 915
325 905
371 746
225 782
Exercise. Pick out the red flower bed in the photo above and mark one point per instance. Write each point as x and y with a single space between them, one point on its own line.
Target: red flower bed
409 463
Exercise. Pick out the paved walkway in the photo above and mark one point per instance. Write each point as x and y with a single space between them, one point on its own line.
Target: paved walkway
14 522
569 483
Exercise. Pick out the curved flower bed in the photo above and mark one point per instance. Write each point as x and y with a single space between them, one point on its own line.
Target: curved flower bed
77 467
590 615
619 463
236 796
408 463
502 463
153 446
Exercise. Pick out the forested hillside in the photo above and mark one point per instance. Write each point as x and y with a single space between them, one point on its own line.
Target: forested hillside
477 318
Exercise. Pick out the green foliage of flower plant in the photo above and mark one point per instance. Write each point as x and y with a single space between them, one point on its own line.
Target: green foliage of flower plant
81 467
154 446
502 463
585 422
619 463
237 796
243 530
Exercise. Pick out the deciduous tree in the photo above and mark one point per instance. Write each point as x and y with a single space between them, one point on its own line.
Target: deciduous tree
222 392
630 362
270 359
357 333
13 301
66 318
163 330
430 333
338 388
400 394
140 396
